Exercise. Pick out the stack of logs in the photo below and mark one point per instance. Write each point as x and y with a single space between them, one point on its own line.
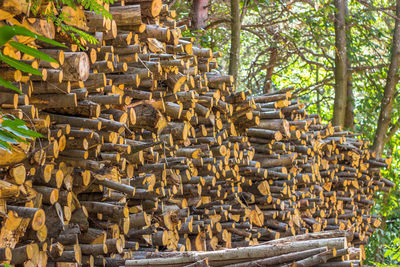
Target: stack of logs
147 147
323 249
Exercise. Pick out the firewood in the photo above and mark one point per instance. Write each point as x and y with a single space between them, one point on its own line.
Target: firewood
147 148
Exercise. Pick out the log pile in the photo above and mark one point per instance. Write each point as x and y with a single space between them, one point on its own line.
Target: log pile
147 147
316 249
320 177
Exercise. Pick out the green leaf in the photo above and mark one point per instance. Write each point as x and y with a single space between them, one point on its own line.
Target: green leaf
13 122
6 33
14 135
7 137
25 131
18 65
32 51
18 134
388 253
13 125
9 85
23 31
5 146
18 127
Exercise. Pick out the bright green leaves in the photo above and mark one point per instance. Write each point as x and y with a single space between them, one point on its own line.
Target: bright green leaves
8 32
32 51
19 128
14 131
19 65
96 7
9 85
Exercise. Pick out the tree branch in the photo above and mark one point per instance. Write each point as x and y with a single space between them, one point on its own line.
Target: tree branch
393 129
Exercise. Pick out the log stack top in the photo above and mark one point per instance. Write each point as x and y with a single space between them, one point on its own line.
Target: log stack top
147 147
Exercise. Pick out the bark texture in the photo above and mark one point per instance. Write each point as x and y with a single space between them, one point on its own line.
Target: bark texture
349 117
339 108
235 40
390 89
199 14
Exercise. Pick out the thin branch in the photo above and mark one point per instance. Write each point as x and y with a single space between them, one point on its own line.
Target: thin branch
395 127
382 10
363 68
216 23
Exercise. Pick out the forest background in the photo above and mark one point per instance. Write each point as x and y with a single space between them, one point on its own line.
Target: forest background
342 57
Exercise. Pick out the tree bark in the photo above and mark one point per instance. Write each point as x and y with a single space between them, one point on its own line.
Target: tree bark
349 117
199 14
235 40
295 256
270 70
390 88
339 107
226 257
273 60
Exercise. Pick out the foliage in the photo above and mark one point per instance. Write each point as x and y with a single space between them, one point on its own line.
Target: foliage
13 130
61 20
384 244
73 32
8 32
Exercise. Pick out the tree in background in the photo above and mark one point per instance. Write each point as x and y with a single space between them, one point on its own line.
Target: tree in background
390 88
343 108
340 103
349 117
235 40
199 14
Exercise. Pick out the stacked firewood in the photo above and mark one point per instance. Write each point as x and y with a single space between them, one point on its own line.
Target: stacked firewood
320 177
147 147
316 249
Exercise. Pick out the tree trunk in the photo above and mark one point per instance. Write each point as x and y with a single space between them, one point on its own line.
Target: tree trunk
339 108
390 88
235 40
349 117
270 70
199 14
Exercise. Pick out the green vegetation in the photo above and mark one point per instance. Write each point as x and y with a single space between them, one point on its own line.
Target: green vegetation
61 20
13 130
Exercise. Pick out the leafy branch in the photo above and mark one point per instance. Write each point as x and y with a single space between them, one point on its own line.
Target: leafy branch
13 130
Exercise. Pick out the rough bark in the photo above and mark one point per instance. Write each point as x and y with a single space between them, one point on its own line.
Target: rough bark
390 88
199 14
295 256
273 59
339 108
349 117
270 69
235 40
238 255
